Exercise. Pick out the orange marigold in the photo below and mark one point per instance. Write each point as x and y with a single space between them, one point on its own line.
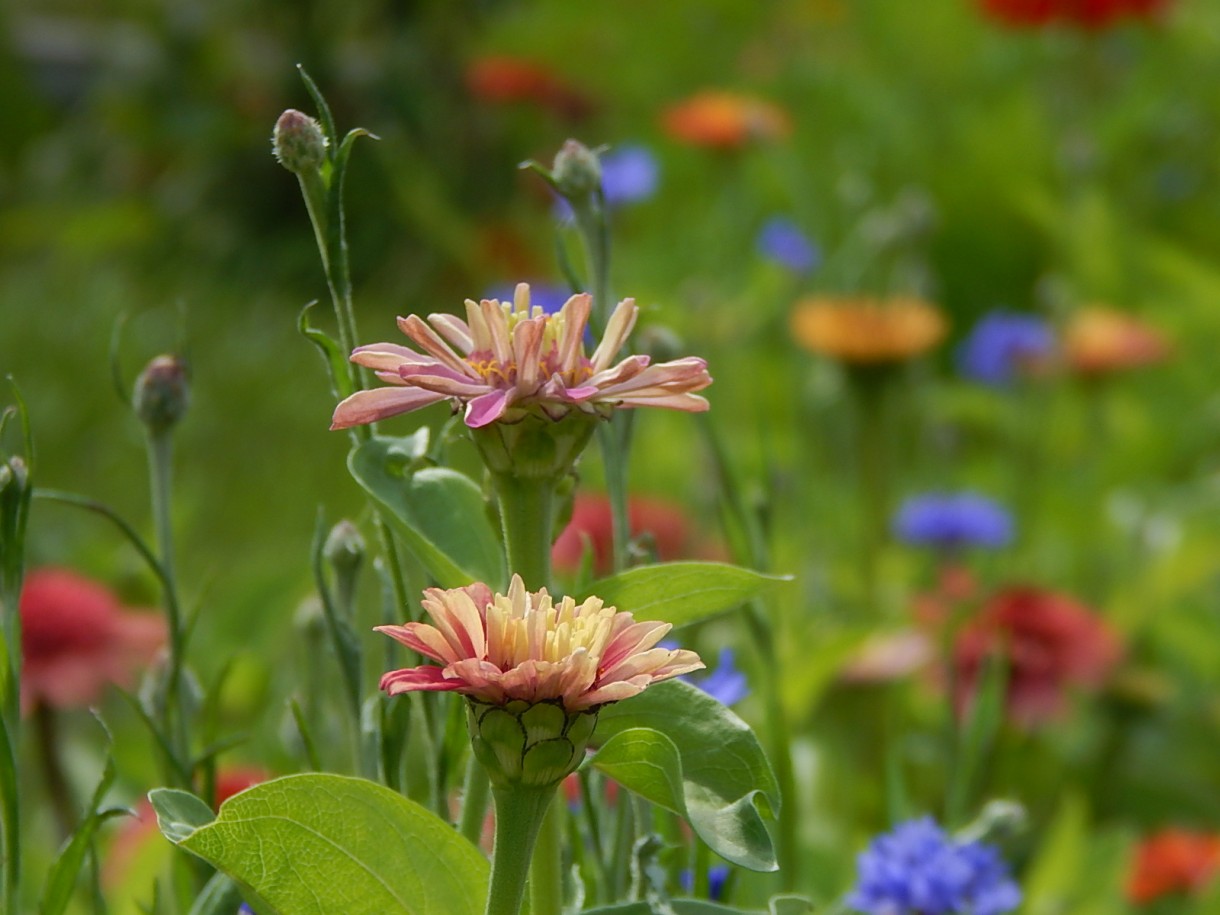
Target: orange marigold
1099 340
1173 861
725 120
867 330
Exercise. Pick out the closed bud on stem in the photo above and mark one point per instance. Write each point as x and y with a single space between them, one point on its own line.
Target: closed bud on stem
577 171
298 142
344 548
162 393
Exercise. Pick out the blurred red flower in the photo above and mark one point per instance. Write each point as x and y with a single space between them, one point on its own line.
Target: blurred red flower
1098 340
142 825
725 120
1173 861
1050 643
1089 14
76 637
663 521
503 79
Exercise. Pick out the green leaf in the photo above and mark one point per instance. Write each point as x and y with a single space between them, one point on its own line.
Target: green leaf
681 749
682 592
679 906
332 353
220 896
319 844
440 513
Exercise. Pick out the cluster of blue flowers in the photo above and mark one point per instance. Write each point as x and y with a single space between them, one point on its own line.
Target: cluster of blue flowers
952 521
1001 344
919 870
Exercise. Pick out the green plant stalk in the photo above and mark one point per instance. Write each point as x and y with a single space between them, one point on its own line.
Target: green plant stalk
872 458
62 805
520 811
476 791
546 870
160 465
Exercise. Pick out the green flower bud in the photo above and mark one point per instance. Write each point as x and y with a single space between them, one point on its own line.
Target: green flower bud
162 393
533 744
298 142
344 548
577 171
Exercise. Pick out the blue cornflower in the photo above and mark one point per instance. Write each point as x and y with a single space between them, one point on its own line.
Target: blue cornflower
919 870
550 297
1000 344
953 520
630 174
717 877
781 240
726 684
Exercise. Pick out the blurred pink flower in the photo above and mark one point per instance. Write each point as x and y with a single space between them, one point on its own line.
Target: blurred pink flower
76 638
1050 644
522 645
508 360
1089 14
591 522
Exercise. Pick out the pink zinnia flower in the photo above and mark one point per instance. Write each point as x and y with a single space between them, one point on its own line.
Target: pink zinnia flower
508 360
76 638
525 646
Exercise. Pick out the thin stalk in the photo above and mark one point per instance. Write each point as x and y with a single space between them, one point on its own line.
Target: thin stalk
160 465
520 811
546 868
526 512
62 805
873 482
476 791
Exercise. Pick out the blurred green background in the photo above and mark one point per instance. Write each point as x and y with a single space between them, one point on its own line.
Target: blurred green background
931 151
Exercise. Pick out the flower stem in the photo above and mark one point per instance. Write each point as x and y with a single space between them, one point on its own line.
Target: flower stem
546 871
62 805
526 513
160 465
520 811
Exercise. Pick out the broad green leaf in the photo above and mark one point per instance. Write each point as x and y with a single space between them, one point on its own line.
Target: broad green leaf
681 749
440 513
320 844
682 592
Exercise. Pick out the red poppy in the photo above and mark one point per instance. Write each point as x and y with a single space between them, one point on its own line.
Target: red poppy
725 120
1050 643
1173 861
1089 14
502 79
76 637
663 521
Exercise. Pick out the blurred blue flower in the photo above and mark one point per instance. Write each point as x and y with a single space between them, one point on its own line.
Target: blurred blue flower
630 174
953 520
726 684
549 296
1000 344
717 877
919 870
782 241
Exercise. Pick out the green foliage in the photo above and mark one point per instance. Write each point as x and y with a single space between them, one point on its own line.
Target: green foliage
320 844
682 592
682 750
440 513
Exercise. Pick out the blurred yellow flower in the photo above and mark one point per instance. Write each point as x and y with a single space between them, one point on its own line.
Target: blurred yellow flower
1098 340
867 330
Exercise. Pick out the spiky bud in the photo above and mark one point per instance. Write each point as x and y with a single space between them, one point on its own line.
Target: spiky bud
577 171
162 393
298 142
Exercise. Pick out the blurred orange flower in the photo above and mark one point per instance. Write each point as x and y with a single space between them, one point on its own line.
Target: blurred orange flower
503 79
76 637
867 330
1090 14
591 521
1050 643
1173 861
1098 340
725 120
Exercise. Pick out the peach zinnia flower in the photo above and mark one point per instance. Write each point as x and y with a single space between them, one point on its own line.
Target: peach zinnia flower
725 120
524 646
1173 861
76 638
1098 341
867 330
1050 644
507 359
